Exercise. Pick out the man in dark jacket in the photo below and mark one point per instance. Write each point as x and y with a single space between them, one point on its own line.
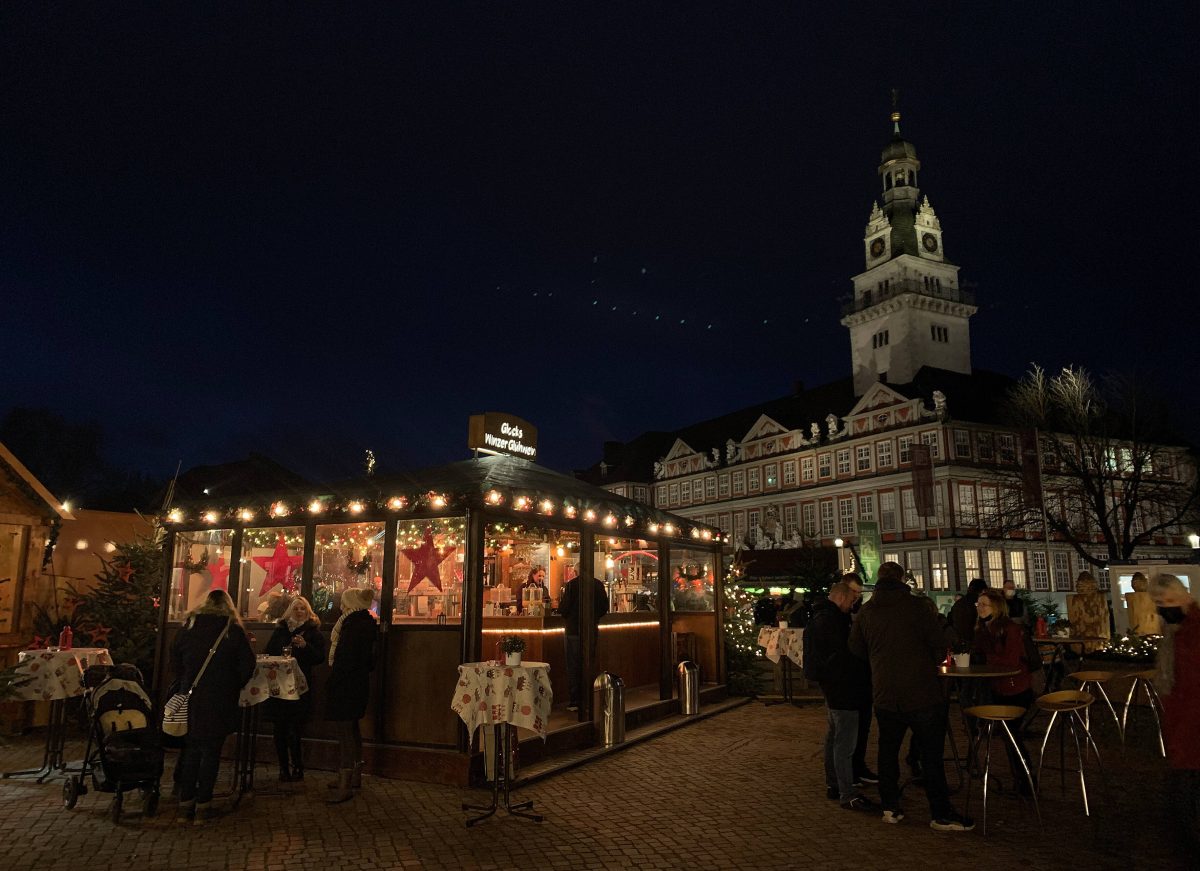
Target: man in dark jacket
904 641
846 683
963 616
568 606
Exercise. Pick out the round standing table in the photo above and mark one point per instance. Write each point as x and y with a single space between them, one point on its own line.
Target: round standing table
784 646
275 677
1058 646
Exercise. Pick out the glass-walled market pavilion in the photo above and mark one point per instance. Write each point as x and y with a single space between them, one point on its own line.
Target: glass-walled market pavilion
451 553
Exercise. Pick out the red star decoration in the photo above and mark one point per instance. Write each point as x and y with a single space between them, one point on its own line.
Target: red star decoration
425 560
278 567
125 572
220 574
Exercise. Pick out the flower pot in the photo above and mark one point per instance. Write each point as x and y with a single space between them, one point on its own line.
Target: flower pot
962 660
512 658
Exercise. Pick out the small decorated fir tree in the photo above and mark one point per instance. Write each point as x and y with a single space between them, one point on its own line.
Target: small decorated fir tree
121 611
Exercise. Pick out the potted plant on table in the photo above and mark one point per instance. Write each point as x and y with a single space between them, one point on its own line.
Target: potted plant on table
513 646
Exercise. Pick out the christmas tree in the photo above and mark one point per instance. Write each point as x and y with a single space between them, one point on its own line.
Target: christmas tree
121 611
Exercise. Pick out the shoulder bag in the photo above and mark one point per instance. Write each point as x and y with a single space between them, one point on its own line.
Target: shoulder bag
175 711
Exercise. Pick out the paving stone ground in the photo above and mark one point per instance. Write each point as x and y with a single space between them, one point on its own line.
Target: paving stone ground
744 789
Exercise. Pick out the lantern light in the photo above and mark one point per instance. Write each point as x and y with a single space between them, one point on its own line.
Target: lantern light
669 529
279 510
245 515
522 503
569 511
493 497
547 506
356 507
175 516
210 517
315 506
396 503
589 515
438 501
628 520
609 520
653 527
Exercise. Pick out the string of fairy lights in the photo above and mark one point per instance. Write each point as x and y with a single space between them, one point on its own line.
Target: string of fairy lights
600 516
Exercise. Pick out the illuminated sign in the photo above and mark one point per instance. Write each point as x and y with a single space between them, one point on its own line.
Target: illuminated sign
495 432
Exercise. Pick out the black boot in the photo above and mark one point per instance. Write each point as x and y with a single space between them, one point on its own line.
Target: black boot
296 747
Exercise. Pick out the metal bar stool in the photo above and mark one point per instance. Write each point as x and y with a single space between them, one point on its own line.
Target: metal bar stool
1002 714
1097 679
1069 703
1145 680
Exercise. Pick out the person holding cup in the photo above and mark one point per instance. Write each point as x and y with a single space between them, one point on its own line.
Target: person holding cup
297 634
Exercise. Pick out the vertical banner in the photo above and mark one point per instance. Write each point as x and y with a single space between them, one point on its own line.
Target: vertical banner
870 550
1031 469
922 473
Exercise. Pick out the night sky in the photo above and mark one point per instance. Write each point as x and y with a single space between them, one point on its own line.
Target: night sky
307 230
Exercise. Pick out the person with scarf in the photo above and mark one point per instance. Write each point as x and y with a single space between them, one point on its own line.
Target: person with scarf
213 711
300 630
1178 684
348 686
999 641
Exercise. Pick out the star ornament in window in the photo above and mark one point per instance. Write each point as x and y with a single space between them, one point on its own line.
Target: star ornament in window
425 560
279 567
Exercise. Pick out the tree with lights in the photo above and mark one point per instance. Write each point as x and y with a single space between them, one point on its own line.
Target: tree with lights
121 611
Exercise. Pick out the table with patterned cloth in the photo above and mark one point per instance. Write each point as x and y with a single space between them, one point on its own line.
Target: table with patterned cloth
779 643
54 675
275 677
504 697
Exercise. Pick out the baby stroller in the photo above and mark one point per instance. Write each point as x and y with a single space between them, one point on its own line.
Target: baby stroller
122 751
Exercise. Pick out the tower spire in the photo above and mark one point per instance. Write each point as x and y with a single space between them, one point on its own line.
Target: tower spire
895 111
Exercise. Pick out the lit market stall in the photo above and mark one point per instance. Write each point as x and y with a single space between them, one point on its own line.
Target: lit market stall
460 556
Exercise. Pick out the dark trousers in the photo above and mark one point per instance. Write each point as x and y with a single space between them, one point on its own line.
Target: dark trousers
575 686
198 766
860 743
289 735
349 743
929 733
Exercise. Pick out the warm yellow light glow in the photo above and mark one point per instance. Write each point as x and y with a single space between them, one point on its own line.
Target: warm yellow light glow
569 511
494 497
589 515
611 626
396 503
66 506
609 563
81 544
175 516
210 517
609 520
628 520
315 506
695 533
522 503
245 515
669 529
438 501
653 527
560 551
279 510
706 535
547 506
356 508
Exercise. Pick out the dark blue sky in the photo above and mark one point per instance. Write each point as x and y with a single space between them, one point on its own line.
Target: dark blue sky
312 230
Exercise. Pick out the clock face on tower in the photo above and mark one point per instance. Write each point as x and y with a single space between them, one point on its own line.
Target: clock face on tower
930 242
877 247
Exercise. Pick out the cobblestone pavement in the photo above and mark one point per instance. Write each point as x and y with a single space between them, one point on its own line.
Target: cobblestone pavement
744 789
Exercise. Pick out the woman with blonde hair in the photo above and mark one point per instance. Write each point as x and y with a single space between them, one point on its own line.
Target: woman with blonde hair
1178 684
212 634
348 687
300 630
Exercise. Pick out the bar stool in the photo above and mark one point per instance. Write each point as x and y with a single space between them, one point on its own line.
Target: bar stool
1145 680
1002 714
1069 703
1097 679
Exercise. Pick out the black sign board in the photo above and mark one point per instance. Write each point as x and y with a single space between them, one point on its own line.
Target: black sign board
495 432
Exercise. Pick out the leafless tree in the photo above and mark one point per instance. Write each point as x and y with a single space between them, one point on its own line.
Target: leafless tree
1111 470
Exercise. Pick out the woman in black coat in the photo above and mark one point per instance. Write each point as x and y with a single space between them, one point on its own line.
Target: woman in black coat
213 708
300 630
348 687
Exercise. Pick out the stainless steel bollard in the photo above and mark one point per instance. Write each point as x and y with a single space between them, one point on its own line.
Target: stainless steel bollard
609 709
688 674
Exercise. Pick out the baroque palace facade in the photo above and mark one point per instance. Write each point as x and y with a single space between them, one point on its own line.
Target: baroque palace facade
805 469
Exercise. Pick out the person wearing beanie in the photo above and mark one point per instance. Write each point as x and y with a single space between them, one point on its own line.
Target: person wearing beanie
348 686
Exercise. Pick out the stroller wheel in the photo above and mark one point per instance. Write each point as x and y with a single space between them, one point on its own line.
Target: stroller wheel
70 793
150 801
118 799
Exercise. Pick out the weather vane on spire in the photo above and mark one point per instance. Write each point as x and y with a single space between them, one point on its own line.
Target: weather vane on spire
896 110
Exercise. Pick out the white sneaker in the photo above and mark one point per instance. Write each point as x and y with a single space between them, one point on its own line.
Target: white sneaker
893 816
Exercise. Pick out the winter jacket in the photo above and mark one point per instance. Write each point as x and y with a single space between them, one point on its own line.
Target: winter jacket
348 686
963 617
905 642
845 678
213 709
312 654
1181 706
568 605
1001 643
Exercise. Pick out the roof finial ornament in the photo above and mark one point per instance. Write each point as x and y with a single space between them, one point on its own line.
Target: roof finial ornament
895 111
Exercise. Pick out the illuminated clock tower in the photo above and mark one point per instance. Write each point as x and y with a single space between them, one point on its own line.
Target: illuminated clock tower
908 309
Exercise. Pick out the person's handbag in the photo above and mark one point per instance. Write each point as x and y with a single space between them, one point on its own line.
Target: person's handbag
175 711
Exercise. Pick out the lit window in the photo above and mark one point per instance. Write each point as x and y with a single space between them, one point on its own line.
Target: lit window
863 458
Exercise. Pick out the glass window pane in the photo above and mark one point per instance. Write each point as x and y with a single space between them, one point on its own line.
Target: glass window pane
430 558
347 555
201 563
629 569
691 580
270 571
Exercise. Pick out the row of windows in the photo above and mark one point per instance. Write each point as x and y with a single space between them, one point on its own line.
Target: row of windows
939 333
863 458
880 339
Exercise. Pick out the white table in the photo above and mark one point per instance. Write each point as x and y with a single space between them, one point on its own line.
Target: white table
275 677
54 675
786 645
504 697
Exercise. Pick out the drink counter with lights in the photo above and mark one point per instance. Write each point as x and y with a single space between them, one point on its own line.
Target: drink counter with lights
461 556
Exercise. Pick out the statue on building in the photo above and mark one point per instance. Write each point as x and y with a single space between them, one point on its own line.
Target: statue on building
733 451
831 423
816 432
1087 609
660 470
714 461
1143 618
939 404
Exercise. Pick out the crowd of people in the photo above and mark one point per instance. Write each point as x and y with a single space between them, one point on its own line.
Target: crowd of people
882 657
